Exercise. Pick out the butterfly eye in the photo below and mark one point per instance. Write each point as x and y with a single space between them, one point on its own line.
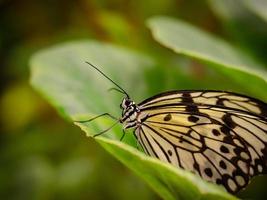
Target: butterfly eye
127 102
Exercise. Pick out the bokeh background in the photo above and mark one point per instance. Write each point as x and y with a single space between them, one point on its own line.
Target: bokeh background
44 157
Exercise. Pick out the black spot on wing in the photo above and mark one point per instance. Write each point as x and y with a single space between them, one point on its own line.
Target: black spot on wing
191 108
228 139
170 152
222 164
228 121
193 119
186 98
208 172
216 132
225 129
220 101
167 117
264 111
188 101
224 149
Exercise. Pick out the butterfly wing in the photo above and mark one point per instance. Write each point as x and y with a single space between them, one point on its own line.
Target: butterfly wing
220 136
193 98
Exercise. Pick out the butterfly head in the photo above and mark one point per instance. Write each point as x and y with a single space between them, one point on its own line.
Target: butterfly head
129 112
129 109
126 102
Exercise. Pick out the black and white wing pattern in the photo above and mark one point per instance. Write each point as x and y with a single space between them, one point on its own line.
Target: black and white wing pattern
219 135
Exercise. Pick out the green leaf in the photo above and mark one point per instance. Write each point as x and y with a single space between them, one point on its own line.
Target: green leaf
78 91
259 7
185 39
242 25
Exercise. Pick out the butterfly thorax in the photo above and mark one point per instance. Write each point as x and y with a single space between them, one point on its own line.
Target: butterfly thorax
130 113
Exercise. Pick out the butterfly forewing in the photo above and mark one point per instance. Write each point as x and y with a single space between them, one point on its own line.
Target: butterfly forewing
220 136
209 98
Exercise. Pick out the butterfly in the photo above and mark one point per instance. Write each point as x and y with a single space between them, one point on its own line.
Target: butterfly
219 135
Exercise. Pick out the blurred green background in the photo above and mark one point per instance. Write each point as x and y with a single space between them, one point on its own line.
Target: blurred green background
44 157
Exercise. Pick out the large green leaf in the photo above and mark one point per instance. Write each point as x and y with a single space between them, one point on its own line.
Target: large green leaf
190 41
78 91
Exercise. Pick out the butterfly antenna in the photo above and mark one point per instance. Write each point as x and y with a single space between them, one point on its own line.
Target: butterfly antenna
115 89
120 88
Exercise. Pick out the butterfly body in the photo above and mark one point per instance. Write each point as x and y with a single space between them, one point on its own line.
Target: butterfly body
218 135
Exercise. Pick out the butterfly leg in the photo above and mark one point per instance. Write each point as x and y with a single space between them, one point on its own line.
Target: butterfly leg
104 131
89 120
123 130
98 116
